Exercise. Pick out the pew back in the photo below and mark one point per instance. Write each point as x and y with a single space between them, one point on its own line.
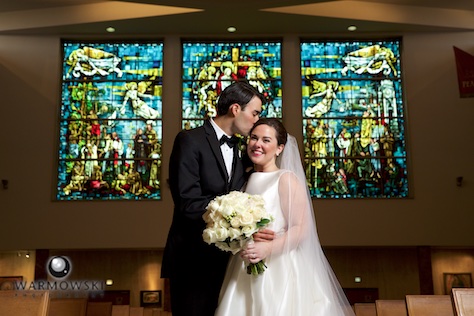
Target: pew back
24 303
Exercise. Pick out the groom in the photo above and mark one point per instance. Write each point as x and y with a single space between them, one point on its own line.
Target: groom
202 166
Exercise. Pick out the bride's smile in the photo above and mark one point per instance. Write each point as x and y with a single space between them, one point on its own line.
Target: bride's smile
263 148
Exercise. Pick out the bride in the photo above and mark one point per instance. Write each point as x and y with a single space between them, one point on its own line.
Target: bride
298 279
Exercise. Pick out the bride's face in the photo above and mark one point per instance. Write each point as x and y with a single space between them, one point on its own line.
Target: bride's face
263 148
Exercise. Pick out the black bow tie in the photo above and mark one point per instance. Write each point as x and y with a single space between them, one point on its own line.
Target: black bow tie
231 141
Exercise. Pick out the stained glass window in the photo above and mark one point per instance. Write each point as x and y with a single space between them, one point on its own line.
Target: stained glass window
208 68
110 121
354 119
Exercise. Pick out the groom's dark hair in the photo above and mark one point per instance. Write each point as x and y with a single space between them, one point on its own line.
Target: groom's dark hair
239 92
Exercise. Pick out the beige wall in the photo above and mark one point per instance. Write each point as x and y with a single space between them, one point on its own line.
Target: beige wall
438 124
15 263
132 270
450 261
394 271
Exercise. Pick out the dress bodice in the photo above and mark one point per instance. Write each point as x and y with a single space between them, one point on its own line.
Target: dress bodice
266 185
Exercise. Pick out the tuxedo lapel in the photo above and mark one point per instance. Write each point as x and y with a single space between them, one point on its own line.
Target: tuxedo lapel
216 148
236 167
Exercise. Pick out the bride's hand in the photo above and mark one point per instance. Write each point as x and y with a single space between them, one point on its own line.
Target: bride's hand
256 251
264 235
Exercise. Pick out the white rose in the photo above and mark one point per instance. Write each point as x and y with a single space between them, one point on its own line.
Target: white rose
258 214
207 216
234 233
222 234
215 216
226 208
209 236
233 217
246 218
248 230
240 206
235 222
213 206
257 201
222 246
221 222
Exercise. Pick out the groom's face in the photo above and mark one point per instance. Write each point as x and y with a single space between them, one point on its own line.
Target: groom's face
245 118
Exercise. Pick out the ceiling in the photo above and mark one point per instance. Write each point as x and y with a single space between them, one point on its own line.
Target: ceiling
212 17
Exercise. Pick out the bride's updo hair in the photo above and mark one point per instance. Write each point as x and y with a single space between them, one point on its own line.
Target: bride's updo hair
281 133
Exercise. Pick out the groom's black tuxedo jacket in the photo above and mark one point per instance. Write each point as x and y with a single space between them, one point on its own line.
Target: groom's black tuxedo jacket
197 174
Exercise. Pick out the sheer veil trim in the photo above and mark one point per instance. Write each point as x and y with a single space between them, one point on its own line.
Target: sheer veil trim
290 159
311 271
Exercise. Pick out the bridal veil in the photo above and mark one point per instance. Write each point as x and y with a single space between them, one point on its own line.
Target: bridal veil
308 283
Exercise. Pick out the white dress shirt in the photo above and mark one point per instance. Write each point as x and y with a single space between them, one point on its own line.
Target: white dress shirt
227 152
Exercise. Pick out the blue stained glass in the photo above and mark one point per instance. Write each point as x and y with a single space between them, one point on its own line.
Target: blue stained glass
353 110
110 125
210 67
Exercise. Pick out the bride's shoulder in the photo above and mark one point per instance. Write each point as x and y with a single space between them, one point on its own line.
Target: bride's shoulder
287 176
287 172
289 182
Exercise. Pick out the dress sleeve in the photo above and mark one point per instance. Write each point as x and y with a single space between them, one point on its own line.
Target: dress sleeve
296 210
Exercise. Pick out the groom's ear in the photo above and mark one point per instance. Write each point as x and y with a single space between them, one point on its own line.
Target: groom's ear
234 109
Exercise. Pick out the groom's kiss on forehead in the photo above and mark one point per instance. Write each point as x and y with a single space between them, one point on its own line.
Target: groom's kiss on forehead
238 108
246 116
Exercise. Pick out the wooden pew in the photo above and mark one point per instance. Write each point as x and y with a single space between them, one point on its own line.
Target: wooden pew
67 307
24 303
365 309
429 305
391 307
463 301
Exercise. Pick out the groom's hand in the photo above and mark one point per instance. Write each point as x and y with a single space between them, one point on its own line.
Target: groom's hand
264 235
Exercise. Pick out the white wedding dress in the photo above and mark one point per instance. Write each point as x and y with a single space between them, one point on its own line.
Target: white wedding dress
298 280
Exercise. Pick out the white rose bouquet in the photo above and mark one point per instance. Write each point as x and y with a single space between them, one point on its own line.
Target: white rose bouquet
232 219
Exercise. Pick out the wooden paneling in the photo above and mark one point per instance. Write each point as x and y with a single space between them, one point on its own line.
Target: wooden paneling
132 270
24 303
120 310
361 295
393 270
67 307
99 309
136 311
13 263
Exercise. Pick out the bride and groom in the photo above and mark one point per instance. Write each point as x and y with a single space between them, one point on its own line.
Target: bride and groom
207 281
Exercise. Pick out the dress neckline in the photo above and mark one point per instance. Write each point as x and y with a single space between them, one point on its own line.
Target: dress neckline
267 172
